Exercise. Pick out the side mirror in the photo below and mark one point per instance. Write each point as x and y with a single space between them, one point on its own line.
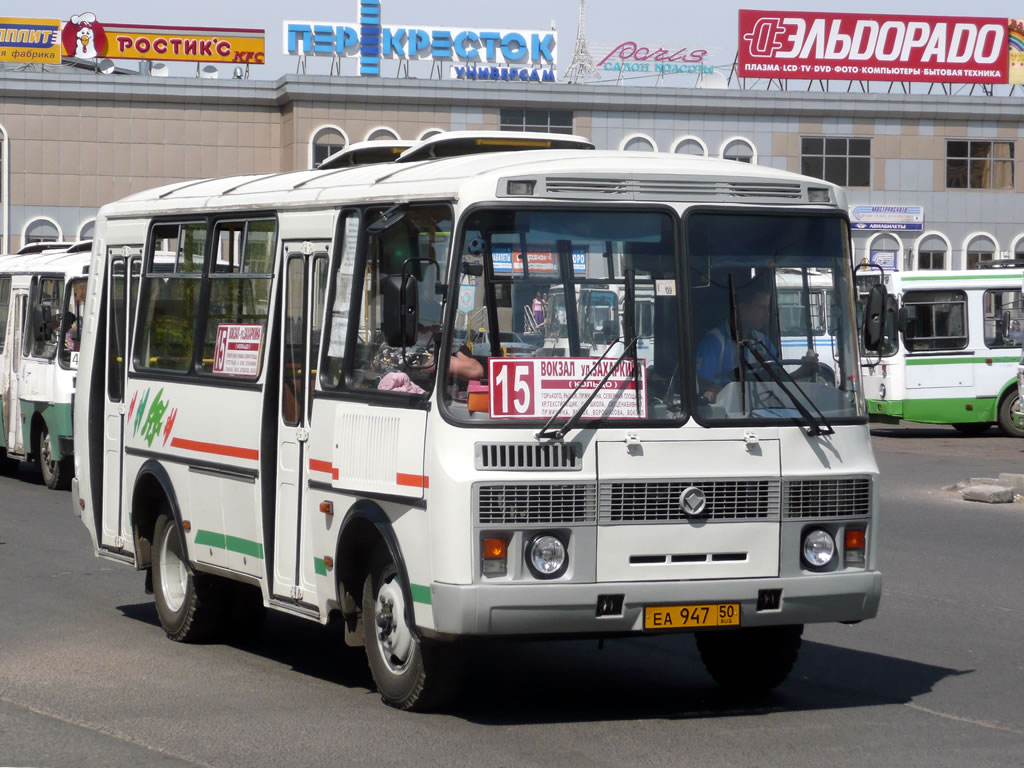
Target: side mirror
874 320
401 310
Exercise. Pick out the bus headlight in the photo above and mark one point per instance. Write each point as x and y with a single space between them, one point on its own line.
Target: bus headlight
819 548
546 556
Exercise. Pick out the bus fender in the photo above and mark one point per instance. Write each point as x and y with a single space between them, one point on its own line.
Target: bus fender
151 482
365 519
1002 392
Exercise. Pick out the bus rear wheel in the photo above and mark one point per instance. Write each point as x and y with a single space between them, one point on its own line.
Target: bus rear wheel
1006 410
750 661
56 474
190 604
410 673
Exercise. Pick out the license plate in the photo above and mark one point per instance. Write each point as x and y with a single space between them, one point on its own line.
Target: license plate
691 616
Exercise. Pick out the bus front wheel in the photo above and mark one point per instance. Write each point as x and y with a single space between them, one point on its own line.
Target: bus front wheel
189 604
750 661
1006 410
56 474
410 673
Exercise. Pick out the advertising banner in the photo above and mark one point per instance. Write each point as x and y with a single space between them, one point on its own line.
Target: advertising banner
536 388
86 38
857 46
30 40
538 262
887 217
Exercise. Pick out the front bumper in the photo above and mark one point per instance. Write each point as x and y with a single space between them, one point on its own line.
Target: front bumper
567 609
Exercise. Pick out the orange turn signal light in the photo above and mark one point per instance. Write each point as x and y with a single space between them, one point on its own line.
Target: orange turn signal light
495 549
328 562
327 507
854 538
186 525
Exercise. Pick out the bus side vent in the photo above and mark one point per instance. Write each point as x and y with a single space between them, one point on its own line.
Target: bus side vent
678 188
529 456
534 503
833 497
658 502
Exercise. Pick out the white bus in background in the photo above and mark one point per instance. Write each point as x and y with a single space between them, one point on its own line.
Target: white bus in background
951 349
806 321
42 297
297 425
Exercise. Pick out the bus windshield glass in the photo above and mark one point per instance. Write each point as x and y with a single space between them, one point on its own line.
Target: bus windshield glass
553 300
773 318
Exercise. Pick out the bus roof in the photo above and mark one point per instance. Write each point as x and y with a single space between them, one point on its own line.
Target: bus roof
567 175
49 262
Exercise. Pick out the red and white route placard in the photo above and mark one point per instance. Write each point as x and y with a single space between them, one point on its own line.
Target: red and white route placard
238 349
536 388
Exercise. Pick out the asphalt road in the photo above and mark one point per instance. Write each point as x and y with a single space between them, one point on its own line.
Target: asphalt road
87 677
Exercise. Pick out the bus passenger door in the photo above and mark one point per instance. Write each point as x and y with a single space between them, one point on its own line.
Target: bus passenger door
15 433
302 281
122 294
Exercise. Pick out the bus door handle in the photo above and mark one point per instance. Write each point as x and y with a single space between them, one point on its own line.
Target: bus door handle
302 434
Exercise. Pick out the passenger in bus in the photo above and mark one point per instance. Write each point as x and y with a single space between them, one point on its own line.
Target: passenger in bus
1015 335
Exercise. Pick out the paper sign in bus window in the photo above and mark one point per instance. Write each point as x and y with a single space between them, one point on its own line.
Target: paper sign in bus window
238 349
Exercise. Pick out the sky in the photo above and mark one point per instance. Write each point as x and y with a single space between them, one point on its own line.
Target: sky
671 24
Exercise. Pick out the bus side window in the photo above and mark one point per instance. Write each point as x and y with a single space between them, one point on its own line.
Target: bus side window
5 301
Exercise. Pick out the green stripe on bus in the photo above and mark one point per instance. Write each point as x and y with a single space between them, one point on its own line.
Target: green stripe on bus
960 360
319 566
986 276
420 594
938 410
229 543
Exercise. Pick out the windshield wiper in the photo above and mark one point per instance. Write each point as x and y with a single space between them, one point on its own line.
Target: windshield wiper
815 425
562 431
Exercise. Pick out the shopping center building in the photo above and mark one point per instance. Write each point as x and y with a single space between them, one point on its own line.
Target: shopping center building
74 139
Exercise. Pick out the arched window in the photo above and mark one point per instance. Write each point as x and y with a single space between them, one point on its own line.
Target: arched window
885 249
428 133
325 142
980 248
690 145
932 252
739 149
87 230
41 229
383 133
638 142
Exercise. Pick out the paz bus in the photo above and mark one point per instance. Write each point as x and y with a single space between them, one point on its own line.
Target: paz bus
951 351
42 296
290 419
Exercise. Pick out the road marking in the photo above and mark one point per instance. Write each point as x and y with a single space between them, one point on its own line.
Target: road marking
968 720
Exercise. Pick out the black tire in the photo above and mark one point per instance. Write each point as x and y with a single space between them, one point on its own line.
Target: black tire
190 605
1006 410
750 661
56 474
972 427
410 673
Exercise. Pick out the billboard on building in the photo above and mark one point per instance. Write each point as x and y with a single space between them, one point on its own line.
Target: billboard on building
370 42
887 217
30 41
85 37
807 45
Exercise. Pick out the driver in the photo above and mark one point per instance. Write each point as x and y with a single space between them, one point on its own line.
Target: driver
717 359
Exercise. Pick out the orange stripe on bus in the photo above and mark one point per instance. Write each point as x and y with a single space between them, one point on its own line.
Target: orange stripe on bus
215 448
413 481
319 465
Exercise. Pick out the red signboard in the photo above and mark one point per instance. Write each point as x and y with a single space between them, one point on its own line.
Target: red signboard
852 46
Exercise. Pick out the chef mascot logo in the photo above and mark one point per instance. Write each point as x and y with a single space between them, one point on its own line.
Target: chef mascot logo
83 37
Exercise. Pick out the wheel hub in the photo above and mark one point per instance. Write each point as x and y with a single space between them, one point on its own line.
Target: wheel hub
394 637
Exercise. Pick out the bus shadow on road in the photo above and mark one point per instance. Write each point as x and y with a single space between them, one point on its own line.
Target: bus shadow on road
509 682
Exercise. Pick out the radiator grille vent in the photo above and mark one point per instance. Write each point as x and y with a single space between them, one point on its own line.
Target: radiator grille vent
836 497
529 504
669 188
657 502
529 456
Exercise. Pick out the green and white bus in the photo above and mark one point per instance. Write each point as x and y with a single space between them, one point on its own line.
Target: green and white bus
42 296
951 349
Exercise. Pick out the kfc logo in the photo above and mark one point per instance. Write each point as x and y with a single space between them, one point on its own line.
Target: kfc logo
83 37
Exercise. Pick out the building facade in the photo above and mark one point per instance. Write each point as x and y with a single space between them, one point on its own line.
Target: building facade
72 141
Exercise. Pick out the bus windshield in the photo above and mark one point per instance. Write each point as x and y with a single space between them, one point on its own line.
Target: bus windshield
571 287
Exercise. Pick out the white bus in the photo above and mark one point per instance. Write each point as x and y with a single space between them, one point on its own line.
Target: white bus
951 350
42 297
291 414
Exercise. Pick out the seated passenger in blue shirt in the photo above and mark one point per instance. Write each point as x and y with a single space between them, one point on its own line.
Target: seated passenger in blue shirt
717 358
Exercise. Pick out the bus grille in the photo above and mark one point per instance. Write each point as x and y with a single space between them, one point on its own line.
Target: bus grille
529 456
669 188
835 497
658 502
534 503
